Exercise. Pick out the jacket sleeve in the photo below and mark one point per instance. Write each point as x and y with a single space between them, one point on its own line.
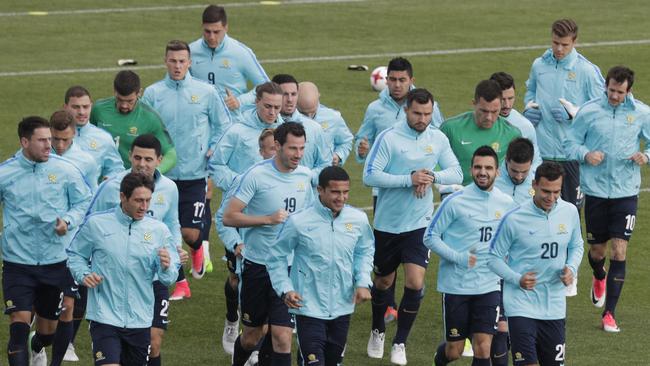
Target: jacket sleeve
219 118
229 235
253 71
172 221
80 251
531 85
451 172
574 145
323 158
218 168
79 198
367 130
437 119
169 275
363 257
499 248
276 265
433 235
377 160
576 246
342 140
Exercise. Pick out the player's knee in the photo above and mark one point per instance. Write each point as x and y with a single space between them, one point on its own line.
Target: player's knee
384 282
597 251
619 249
191 236
233 280
21 317
481 346
453 350
250 337
502 326
281 339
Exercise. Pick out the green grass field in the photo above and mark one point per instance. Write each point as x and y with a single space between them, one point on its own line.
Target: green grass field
367 32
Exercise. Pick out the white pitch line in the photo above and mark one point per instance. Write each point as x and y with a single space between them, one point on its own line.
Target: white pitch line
169 8
340 57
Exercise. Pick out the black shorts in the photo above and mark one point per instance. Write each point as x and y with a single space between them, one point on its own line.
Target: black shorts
259 302
535 341
40 288
571 183
502 309
160 305
231 262
608 218
124 346
322 342
71 288
191 202
465 315
393 249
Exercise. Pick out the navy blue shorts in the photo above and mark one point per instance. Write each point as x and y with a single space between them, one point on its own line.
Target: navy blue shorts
322 342
26 288
71 288
160 305
124 346
259 302
571 183
191 202
537 341
231 261
465 315
608 218
502 309
393 249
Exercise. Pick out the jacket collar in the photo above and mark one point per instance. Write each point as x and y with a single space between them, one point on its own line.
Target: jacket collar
177 84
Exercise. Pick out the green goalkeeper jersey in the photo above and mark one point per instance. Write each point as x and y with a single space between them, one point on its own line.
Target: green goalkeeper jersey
126 127
465 137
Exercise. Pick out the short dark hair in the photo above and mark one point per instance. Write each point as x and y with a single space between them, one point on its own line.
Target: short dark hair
620 74
419 95
134 180
61 120
284 79
486 151
332 173
551 170
294 128
215 14
265 133
400 64
27 126
505 80
489 90
565 28
520 150
176 45
126 82
269 88
76 91
147 141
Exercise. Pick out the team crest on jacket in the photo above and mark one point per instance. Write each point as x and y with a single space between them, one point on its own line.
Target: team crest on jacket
497 214
428 149
51 178
349 227
194 99
561 229
531 192
571 75
496 146
630 119
225 63
93 144
160 199
133 131
301 186
325 125
147 237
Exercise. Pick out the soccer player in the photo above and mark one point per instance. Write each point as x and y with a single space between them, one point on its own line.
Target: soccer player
268 192
129 250
234 245
125 118
482 126
515 178
508 96
542 242
561 72
145 158
225 62
605 138
43 196
460 233
336 131
332 246
400 165
91 139
62 128
318 153
238 148
196 117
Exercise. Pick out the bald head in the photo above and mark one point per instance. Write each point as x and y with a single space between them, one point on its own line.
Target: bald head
308 98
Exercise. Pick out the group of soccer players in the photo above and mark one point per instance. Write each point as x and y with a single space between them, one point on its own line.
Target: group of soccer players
100 198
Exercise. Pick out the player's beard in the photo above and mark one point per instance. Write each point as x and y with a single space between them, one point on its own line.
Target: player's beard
485 186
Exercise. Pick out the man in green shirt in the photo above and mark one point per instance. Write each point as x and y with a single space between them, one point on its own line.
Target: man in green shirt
482 126
125 118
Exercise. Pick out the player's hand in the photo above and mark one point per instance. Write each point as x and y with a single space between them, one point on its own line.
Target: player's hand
238 250
231 101
566 276
182 255
639 158
278 217
594 157
61 227
471 262
534 115
165 260
92 280
292 300
421 190
421 176
361 294
561 115
208 154
528 280
363 148
336 160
